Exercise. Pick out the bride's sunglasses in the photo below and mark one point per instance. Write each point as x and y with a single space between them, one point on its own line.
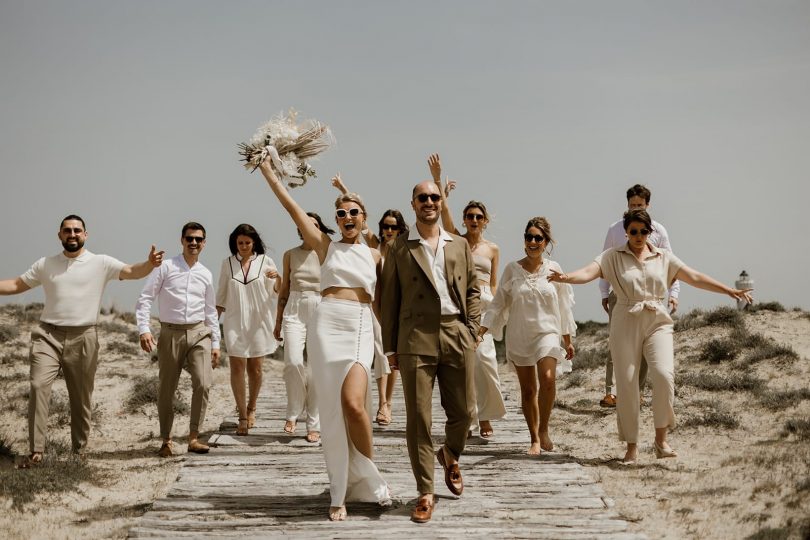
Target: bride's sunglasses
340 213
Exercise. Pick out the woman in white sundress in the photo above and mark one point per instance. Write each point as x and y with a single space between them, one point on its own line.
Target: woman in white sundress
539 327
341 348
247 293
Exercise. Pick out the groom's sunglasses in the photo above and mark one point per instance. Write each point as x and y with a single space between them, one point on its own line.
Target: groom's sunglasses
423 197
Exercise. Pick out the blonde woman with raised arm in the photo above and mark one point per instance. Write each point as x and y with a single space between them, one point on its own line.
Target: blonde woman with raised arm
489 403
640 275
340 347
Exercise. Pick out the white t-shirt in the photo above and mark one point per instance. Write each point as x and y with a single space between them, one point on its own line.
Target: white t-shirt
73 287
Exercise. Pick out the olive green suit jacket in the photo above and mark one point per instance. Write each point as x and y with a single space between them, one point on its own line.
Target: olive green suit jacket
410 307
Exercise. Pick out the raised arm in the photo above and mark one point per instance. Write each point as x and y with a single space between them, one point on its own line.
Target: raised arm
708 283
435 166
311 234
585 274
13 286
368 234
142 269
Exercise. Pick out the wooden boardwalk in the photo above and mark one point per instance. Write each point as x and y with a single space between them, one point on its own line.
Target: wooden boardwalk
270 484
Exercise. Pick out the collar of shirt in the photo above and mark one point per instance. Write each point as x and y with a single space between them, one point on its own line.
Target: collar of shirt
84 256
654 251
413 234
253 257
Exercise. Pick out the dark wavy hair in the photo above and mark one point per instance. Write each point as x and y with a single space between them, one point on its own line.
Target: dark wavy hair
72 217
246 230
637 216
193 226
321 225
639 191
396 214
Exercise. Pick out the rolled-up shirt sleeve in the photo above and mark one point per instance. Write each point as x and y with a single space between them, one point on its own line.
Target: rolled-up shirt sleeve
211 317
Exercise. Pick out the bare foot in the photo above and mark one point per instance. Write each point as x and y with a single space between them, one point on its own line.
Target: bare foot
485 429
337 513
313 436
545 442
630 457
534 449
289 426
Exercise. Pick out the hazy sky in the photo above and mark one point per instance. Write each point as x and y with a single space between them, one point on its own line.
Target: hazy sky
128 113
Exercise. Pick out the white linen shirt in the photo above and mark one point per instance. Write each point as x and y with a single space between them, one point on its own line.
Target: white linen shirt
185 296
616 238
437 268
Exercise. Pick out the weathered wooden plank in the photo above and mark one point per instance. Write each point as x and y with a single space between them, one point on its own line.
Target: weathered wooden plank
271 484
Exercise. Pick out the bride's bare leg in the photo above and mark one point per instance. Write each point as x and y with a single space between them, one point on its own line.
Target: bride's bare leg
353 400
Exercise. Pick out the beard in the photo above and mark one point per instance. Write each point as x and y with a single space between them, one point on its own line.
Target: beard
73 248
422 218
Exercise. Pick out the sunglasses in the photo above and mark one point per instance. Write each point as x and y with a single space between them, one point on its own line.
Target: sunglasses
197 239
536 237
387 227
635 232
340 213
423 197
474 217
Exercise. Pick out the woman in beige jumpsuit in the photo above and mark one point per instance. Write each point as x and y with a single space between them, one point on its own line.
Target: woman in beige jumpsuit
640 274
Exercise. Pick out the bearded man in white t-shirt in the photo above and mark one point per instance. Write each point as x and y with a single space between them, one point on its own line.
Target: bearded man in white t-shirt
66 338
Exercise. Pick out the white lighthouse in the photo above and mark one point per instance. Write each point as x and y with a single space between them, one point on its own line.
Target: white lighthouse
743 282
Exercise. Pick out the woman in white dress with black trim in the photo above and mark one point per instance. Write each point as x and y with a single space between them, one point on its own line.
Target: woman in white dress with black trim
539 327
247 293
341 348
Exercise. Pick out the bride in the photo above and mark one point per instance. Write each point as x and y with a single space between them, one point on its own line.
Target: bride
341 348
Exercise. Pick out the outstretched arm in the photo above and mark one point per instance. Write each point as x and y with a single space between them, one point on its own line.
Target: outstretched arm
708 283
585 274
311 234
13 286
142 269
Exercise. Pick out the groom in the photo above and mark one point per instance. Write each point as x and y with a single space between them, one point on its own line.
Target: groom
430 316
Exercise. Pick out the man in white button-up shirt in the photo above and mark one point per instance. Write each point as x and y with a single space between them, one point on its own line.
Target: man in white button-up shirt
189 333
66 338
638 198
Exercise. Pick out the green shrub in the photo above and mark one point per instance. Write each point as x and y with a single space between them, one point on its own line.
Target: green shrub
590 358
8 332
725 316
776 400
689 321
771 349
585 328
574 379
114 326
145 391
766 306
712 418
60 472
799 428
122 347
715 351
127 317
715 382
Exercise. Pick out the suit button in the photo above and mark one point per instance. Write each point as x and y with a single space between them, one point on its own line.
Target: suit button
458 278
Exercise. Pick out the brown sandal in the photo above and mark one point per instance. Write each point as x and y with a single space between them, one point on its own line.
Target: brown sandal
251 417
242 429
313 437
383 418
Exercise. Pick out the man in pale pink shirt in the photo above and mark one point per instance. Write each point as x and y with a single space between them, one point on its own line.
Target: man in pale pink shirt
638 198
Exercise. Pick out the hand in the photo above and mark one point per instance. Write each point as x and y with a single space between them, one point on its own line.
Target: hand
606 305
338 183
449 185
742 294
155 257
266 167
147 342
393 361
478 340
435 166
272 273
558 277
215 358
673 305
277 333
569 351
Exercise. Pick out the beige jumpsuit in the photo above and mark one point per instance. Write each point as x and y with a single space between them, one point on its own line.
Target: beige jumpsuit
641 326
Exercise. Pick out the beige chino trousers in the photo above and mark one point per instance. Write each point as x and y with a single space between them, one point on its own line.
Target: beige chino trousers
454 368
633 337
183 346
74 349
610 386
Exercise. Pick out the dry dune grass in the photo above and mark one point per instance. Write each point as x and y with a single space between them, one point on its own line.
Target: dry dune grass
743 404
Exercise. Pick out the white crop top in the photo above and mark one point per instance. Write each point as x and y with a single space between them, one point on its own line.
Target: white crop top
349 265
